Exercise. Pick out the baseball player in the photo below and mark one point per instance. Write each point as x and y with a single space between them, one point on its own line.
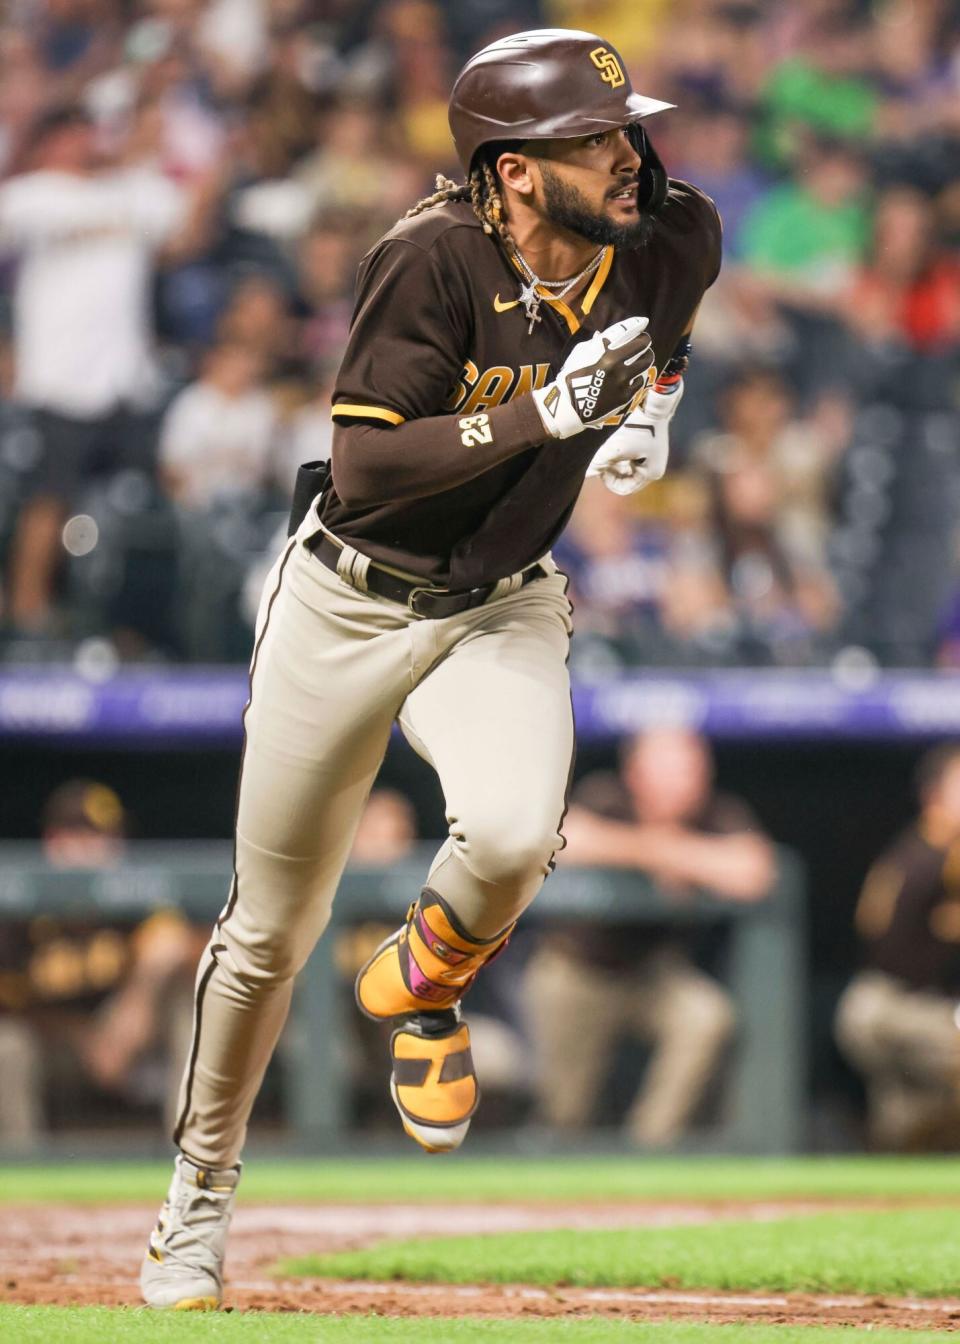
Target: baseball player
510 334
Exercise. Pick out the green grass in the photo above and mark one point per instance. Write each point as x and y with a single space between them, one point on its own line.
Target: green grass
419 1178
103 1325
905 1252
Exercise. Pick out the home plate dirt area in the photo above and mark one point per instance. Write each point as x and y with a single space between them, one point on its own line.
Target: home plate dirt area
71 1254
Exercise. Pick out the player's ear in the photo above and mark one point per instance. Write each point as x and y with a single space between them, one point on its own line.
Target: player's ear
514 172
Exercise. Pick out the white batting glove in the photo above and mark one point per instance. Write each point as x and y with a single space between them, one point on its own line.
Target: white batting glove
637 452
599 377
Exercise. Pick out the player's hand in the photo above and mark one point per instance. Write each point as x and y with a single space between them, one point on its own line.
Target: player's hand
599 377
637 452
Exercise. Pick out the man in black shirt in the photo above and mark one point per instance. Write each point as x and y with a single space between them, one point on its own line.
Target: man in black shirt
510 333
590 986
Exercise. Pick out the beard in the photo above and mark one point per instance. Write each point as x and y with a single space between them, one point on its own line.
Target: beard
567 207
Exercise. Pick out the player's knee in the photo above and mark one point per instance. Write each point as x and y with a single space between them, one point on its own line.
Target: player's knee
267 957
707 1013
260 965
511 852
717 1017
859 1025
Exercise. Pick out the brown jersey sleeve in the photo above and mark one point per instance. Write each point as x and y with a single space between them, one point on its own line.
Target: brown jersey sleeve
407 341
713 254
692 222
698 213
424 457
407 346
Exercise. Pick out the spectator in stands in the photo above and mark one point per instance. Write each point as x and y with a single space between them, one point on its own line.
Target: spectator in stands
422 70
328 257
915 82
907 293
713 150
268 198
617 562
823 81
83 825
717 52
218 436
90 1001
306 432
259 315
898 1021
234 40
758 424
352 169
769 475
590 984
647 588
86 236
783 289
222 463
387 830
803 241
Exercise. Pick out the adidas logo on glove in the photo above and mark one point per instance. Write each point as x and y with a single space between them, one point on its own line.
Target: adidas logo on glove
586 391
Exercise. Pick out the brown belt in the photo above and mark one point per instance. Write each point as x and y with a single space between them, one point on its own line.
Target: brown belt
422 599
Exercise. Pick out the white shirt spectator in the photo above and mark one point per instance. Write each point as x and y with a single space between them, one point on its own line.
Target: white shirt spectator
215 445
235 33
308 437
82 326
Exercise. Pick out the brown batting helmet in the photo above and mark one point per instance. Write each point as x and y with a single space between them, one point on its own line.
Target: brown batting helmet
549 83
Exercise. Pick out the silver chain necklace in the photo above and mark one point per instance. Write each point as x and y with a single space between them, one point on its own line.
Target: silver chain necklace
530 296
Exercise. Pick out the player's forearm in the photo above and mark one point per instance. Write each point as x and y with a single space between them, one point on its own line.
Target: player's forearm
592 839
424 457
740 867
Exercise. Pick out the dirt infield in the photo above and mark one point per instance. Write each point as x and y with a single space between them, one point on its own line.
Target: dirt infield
75 1255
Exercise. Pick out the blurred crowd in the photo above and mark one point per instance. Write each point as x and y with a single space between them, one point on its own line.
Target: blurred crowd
186 187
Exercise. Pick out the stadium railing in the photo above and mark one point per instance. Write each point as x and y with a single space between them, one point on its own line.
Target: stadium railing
763 1102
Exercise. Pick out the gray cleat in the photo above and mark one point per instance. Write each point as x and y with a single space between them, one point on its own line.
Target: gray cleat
183 1266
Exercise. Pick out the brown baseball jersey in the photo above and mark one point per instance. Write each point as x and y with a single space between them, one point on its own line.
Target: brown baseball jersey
908 914
438 331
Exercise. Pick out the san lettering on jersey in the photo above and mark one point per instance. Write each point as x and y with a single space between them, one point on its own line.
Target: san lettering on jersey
479 390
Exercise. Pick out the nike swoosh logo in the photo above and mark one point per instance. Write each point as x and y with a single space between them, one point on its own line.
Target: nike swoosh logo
499 307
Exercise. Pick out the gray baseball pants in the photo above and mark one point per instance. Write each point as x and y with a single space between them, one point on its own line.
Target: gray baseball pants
483 696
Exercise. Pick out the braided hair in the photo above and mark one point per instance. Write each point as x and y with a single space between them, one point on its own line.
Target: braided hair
481 189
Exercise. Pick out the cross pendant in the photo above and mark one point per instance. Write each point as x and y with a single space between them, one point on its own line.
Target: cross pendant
530 298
